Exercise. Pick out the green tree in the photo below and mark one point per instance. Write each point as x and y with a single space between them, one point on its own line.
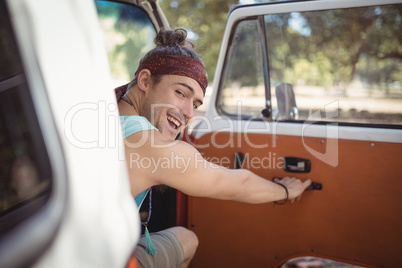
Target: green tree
207 19
329 47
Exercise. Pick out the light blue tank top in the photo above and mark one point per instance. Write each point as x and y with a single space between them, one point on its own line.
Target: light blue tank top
130 125
133 124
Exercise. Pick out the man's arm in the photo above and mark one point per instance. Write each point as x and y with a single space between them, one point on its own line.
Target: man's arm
180 166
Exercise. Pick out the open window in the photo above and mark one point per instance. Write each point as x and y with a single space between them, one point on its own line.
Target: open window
340 65
128 34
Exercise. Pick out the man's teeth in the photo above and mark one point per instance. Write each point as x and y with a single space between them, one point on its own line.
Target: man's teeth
177 123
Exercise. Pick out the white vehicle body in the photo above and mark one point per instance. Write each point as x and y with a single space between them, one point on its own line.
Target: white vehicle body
90 219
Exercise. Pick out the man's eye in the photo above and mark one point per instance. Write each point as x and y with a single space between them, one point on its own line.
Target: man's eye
180 93
195 106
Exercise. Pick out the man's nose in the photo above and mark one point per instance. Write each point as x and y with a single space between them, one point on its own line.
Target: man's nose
188 110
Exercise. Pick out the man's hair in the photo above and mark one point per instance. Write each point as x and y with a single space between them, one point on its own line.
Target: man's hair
169 42
172 42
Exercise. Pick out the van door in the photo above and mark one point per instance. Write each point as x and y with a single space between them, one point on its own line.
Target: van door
129 30
309 89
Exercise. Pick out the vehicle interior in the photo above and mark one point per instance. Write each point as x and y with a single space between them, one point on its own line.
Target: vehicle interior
312 103
306 89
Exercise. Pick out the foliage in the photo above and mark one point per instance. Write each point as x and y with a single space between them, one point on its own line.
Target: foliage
333 47
207 19
128 35
326 48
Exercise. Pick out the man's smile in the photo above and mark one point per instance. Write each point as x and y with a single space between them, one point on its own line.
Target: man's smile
175 123
176 120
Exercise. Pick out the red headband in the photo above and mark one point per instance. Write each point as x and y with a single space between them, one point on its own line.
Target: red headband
176 65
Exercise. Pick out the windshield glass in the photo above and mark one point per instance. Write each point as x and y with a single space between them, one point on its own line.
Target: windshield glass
128 34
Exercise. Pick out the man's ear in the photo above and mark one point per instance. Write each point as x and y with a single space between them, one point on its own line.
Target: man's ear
144 79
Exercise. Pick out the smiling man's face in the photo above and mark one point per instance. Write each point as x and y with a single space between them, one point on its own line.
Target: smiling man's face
169 105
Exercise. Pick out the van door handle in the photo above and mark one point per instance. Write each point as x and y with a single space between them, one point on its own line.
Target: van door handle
239 159
296 164
313 186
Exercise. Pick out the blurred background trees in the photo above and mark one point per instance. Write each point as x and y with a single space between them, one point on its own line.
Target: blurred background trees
326 48
206 21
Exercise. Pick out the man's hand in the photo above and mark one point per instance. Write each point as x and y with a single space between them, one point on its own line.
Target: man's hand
295 187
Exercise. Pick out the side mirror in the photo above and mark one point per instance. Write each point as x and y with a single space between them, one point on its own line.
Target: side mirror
287 109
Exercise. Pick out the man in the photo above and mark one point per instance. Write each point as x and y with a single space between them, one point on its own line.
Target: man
158 104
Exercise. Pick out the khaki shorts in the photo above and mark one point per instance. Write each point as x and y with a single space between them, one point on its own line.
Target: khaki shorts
169 251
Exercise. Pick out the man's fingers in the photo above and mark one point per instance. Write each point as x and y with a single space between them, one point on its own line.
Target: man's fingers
306 183
294 184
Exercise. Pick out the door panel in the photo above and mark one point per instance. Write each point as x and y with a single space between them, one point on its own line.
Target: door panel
318 80
354 218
